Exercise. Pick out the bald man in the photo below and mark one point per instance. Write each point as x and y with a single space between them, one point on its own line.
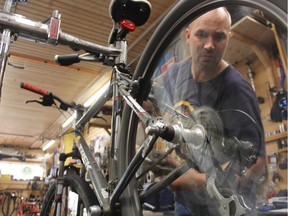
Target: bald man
208 80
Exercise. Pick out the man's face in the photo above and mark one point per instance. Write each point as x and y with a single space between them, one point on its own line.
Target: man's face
208 38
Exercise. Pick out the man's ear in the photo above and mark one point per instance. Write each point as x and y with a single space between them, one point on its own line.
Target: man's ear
187 35
229 36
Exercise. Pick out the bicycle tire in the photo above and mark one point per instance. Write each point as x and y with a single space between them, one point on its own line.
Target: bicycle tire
175 20
8 205
77 185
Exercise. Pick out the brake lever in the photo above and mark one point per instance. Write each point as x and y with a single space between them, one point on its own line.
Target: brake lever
34 101
47 100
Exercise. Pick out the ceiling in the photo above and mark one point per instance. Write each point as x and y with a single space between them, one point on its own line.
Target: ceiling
30 125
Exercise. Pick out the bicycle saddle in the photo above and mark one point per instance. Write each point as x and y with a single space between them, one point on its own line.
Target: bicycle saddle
137 11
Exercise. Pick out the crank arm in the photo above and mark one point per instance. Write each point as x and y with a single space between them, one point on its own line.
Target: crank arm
240 207
131 170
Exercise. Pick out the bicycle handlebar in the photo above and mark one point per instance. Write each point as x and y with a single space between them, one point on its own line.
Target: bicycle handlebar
48 98
66 60
50 33
15 25
33 89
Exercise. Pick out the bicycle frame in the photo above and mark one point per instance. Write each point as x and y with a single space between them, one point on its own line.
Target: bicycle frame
121 87
51 33
97 178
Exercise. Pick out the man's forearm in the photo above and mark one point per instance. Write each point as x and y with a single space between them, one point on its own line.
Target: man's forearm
192 179
256 171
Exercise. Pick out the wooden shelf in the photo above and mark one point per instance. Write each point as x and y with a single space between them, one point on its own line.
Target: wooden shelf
14 185
283 150
275 137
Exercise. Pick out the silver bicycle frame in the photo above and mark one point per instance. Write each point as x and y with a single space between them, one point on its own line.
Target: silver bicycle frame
98 180
19 26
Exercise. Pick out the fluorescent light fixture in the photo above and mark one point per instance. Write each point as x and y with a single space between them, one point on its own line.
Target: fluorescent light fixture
96 95
48 145
69 120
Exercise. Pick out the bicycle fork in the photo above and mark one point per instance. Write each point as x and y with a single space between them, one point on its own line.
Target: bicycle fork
59 201
59 188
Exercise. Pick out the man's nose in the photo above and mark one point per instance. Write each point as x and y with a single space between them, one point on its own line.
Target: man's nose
209 43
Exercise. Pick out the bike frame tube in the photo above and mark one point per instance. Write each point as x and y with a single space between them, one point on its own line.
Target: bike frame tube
39 32
98 180
19 26
69 40
94 108
116 117
134 165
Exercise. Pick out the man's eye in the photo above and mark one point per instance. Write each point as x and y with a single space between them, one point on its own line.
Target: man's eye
219 37
201 35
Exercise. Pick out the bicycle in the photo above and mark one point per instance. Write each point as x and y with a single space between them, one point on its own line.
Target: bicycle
115 195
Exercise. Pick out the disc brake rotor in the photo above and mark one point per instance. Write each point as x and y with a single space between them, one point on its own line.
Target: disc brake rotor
213 125
209 120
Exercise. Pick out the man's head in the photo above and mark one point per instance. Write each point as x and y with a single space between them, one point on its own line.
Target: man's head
208 37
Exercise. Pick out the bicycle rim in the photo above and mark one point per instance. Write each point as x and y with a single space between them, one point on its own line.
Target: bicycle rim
74 189
168 28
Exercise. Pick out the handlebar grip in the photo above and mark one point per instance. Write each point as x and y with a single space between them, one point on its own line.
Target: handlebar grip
66 60
33 89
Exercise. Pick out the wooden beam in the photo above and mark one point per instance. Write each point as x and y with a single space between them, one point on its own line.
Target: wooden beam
282 53
12 185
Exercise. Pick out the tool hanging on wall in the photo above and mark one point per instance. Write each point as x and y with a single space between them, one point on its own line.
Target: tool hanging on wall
268 87
251 75
279 108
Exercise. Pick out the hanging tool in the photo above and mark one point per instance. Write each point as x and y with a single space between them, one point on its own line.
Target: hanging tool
251 75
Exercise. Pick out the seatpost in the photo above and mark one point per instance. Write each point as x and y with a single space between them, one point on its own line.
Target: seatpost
122 58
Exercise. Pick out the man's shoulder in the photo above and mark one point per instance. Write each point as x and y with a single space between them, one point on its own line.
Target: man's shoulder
233 76
178 69
235 83
183 65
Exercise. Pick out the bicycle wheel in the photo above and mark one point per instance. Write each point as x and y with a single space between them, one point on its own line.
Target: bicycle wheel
8 205
163 50
74 189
